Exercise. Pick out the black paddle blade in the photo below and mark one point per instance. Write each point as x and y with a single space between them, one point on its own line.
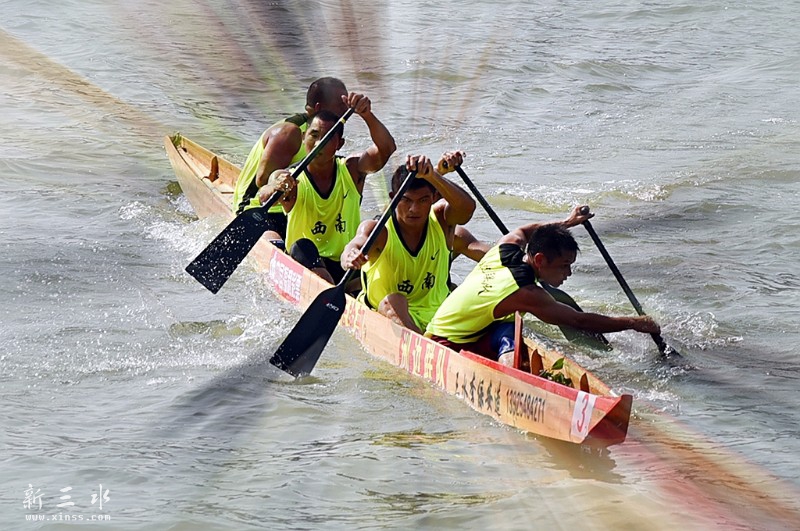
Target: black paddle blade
214 266
299 352
666 350
576 335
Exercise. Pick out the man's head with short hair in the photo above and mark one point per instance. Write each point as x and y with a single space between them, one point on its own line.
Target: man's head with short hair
326 94
400 175
318 127
551 251
328 117
552 240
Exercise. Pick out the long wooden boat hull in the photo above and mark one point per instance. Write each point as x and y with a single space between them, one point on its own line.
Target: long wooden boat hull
589 414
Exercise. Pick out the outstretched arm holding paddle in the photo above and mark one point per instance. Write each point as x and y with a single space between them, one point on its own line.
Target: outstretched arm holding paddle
576 335
475 316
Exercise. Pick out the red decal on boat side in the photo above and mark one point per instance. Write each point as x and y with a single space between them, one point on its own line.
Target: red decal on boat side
429 355
353 318
404 349
420 356
440 373
287 276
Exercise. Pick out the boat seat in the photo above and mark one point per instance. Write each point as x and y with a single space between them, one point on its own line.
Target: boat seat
213 172
584 384
525 360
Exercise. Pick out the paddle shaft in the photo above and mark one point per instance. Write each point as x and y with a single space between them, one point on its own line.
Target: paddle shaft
482 200
659 341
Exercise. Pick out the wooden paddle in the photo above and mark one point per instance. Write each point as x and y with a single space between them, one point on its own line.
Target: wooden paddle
576 335
665 349
299 352
214 266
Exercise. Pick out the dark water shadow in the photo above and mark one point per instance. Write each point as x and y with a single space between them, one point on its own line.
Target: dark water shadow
229 404
582 462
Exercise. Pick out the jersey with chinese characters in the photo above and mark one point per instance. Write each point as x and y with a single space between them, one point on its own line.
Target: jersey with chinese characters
420 276
330 221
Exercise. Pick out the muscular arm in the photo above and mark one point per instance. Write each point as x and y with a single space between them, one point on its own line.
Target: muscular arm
460 206
538 302
457 207
383 145
281 143
352 257
467 244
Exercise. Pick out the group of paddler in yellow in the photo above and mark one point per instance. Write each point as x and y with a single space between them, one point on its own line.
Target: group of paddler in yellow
405 275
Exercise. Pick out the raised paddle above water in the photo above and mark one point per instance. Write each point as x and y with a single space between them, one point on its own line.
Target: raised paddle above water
576 335
665 349
214 266
299 352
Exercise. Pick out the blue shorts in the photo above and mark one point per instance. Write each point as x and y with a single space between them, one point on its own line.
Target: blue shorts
498 339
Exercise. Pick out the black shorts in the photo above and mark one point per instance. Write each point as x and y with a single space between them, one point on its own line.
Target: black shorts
277 222
306 254
334 267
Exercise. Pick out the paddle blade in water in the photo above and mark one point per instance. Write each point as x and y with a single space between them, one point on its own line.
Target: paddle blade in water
665 349
299 352
214 266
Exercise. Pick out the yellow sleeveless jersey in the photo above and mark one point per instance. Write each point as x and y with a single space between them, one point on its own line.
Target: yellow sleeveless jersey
464 316
330 222
246 190
421 277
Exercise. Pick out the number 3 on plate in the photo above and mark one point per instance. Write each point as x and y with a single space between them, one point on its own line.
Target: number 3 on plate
582 414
